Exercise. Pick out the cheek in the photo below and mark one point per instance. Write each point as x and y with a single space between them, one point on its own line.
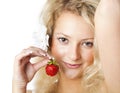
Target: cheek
88 57
57 51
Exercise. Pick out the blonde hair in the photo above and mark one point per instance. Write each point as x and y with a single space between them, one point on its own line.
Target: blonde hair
54 8
93 76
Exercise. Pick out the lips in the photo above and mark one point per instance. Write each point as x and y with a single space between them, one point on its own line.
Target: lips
72 66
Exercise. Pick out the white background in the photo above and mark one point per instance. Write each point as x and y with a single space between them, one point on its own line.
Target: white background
18 20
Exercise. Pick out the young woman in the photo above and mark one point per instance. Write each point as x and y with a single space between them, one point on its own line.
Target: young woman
84 42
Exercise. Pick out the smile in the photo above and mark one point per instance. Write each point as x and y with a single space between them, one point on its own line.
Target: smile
72 66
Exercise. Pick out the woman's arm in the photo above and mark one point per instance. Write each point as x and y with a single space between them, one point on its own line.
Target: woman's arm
24 70
107 25
17 87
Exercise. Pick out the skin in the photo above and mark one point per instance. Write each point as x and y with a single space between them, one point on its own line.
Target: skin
107 32
108 27
72 44
72 47
24 70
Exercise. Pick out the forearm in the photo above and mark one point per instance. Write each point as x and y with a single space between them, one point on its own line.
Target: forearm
18 87
109 9
107 25
107 21
109 0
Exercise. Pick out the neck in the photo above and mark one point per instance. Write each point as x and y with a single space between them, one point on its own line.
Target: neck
66 85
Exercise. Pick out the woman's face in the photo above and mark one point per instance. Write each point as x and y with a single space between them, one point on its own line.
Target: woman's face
72 44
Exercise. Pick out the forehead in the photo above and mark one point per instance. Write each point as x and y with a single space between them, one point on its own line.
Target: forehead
72 24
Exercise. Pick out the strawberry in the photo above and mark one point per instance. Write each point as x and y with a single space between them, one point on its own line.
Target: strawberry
52 68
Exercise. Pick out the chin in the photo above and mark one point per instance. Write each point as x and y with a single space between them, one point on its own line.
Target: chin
73 75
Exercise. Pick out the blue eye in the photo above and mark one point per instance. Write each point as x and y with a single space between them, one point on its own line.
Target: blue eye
63 40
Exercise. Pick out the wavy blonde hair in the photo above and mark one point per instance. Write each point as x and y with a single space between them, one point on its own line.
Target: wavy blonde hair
93 76
54 8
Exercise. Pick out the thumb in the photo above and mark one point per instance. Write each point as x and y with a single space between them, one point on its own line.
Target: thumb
40 64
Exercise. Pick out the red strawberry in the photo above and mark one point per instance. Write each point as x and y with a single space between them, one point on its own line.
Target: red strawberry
52 68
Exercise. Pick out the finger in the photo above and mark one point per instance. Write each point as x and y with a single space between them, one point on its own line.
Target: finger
30 52
40 51
24 57
37 51
38 65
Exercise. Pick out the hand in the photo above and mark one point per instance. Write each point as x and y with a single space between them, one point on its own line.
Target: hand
24 70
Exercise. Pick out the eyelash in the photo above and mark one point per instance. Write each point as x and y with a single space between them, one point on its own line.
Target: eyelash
63 40
87 44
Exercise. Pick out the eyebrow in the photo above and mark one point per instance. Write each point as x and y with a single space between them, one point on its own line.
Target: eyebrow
87 39
70 37
62 34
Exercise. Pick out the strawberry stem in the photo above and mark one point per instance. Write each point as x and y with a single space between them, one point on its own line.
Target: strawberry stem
52 61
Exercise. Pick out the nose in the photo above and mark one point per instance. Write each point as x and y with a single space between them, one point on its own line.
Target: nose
74 53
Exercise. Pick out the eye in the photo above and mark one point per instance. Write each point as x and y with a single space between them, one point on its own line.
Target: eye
87 44
63 40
